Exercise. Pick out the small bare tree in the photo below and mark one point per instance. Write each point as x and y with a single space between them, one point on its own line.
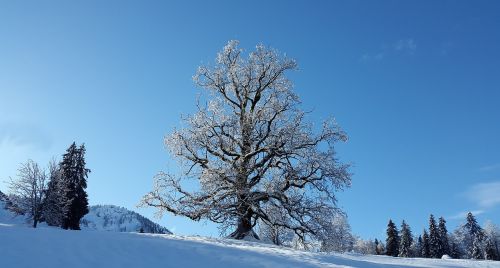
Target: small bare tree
275 233
29 189
250 146
337 235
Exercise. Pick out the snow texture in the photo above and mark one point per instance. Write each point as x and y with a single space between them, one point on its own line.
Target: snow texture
48 247
119 219
6 216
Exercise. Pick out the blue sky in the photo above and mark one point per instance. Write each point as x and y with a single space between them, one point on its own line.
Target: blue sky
415 84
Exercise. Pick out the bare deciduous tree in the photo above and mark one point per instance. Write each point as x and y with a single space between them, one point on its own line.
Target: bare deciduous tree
251 146
276 234
337 235
29 189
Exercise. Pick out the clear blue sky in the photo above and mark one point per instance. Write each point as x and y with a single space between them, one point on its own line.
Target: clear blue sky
415 84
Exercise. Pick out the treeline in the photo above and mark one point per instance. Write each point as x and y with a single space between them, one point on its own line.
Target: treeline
55 195
468 241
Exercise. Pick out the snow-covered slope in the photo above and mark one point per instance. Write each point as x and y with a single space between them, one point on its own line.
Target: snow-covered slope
119 219
7 216
23 247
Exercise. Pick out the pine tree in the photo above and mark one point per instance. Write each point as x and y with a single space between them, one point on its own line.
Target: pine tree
443 235
381 248
477 250
472 237
418 247
492 233
53 204
434 239
392 241
490 250
425 245
376 246
455 250
405 241
74 182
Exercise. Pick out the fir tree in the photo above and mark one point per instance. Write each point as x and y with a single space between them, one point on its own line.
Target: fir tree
376 247
443 235
380 248
406 241
418 247
471 236
74 182
490 252
53 204
455 250
477 251
392 241
425 245
435 249
492 233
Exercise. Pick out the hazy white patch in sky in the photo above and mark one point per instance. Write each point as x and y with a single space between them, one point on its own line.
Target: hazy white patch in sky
462 215
18 143
485 195
24 135
490 167
376 57
406 45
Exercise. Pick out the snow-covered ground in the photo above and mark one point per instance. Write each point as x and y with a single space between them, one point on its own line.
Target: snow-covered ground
21 246
48 247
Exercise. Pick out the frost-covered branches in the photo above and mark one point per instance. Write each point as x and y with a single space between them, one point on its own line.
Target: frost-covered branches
251 149
29 190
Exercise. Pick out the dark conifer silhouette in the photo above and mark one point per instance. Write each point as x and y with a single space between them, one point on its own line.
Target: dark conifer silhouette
73 184
392 241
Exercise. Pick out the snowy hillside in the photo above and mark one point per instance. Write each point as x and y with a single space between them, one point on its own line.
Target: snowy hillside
119 219
7 216
47 247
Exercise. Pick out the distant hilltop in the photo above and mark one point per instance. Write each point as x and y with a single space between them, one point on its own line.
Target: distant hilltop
119 219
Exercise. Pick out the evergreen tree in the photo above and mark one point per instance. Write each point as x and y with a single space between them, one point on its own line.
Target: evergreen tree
455 250
477 250
376 247
392 241
53 204
490 250
434 239
74 182
443 235
492 233
425 245
380 248
406 241
471 235
418 247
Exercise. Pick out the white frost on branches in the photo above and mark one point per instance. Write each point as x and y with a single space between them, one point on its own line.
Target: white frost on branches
252 151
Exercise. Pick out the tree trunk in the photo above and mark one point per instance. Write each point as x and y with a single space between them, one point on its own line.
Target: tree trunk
244 228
